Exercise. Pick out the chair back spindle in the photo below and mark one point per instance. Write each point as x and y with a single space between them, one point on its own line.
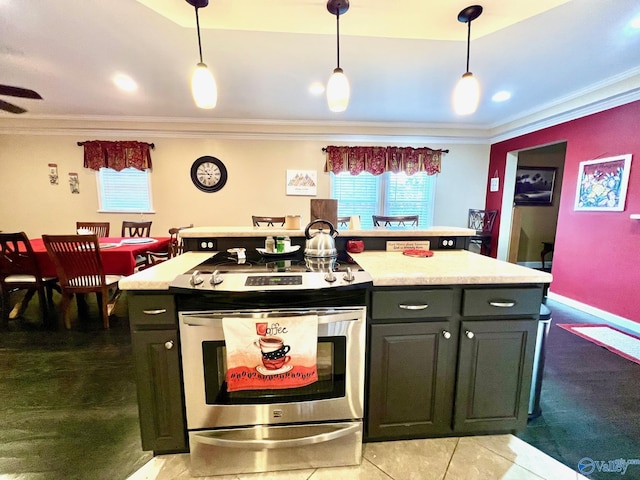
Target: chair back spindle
101 229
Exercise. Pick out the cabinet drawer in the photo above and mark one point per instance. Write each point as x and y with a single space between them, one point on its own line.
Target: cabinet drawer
152 310
412 304
501 301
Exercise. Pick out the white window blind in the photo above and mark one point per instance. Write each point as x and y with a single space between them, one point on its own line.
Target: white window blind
386 194
128 190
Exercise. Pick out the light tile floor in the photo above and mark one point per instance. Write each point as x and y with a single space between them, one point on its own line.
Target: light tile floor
487 457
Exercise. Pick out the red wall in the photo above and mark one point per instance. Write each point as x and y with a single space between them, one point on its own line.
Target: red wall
596 260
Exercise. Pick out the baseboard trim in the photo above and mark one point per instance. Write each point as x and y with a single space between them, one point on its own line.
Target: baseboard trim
610 318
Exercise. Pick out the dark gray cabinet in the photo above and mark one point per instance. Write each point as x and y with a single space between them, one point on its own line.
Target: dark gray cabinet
495 364
410 389
154 337
448 361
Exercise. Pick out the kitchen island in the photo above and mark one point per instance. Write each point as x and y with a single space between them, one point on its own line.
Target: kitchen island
450 341
221 238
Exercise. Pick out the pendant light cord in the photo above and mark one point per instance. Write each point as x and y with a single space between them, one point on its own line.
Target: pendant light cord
200 44
468 42
338 38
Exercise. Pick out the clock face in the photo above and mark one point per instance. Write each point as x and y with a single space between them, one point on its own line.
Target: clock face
208 174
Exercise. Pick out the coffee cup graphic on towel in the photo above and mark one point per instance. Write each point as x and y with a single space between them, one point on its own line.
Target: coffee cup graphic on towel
274 352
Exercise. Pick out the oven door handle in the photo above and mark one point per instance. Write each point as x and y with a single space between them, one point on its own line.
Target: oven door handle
273 444
216 319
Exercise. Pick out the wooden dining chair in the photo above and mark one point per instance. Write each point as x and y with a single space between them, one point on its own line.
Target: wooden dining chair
136 229
176 245
267 221
101 229
80 271
343 221
395 220
175 248
482 222
19 270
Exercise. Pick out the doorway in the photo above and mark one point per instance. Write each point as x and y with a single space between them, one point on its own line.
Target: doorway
529 227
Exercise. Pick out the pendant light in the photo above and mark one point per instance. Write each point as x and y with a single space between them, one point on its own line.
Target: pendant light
338 90
203 85
466 95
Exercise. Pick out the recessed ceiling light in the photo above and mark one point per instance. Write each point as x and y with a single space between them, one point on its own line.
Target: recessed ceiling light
501 96
316 88
125 82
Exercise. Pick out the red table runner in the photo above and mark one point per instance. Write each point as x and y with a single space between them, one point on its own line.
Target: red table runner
117 258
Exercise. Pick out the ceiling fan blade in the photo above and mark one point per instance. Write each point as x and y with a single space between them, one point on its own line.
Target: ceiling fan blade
19 92
9 107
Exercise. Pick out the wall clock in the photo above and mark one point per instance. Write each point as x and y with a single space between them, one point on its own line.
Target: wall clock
208 174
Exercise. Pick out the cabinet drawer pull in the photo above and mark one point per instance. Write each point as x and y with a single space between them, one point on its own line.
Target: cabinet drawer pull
446 334
469 334
168 345
404 306
502 303
158 311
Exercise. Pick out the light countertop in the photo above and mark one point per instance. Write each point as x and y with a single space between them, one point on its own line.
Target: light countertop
459 267
161 275
203 232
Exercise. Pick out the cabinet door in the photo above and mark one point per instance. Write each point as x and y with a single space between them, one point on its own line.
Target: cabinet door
410 381
160 402
495 361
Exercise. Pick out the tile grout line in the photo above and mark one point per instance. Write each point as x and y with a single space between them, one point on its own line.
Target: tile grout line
446 470
521 466
379 468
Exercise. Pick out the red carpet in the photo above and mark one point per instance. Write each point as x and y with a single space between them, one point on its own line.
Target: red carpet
624 344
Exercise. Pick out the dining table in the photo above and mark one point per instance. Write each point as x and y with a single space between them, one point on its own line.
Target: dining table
118 254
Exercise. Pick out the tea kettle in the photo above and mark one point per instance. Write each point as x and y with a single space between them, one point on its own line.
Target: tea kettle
321 243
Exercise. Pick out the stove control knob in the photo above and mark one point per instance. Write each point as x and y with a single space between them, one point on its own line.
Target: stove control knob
216 278
330 277
349 276
196 278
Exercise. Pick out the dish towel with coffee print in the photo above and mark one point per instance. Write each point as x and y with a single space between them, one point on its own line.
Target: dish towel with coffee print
273 353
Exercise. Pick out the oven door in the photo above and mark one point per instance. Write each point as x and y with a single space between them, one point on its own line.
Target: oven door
337 395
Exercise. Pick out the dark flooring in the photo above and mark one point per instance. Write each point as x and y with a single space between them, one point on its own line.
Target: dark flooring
590 401
68 405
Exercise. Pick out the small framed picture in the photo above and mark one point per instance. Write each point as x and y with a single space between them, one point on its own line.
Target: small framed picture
534 186
302 182
74 183
602 184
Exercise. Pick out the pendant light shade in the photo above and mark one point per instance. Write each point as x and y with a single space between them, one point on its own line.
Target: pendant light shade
338 90
203 84
466 95
203 87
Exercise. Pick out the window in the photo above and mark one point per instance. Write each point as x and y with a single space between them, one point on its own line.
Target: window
128 190
386 194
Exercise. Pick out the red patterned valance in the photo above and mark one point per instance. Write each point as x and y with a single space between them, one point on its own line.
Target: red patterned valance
377 160
116 155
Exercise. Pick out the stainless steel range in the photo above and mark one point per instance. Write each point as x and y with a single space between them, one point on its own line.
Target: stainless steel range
266 429
243 270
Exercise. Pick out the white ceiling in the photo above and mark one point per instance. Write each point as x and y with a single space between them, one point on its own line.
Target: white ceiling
402 57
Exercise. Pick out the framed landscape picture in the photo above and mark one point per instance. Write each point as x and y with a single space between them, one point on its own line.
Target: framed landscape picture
534 186
602 184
